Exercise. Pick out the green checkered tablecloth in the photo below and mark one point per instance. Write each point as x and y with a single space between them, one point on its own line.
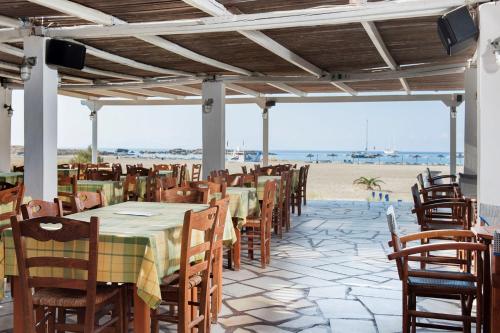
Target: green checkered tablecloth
8 208
243 202
67 172
113 190
132 249
11 177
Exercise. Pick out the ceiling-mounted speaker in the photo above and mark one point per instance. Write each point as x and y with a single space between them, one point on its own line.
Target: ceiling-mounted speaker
65 54
457 30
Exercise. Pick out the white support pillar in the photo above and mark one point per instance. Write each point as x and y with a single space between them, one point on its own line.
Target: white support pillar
213 126
40 124
5 128
453 140
468 180
265 137
95 150
489 117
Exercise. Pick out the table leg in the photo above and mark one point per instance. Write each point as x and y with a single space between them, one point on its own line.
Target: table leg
18 316
487 289
495 296
142 318
237 250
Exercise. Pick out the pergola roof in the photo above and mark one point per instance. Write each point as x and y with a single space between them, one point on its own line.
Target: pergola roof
374 46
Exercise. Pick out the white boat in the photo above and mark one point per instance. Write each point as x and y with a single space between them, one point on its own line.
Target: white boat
389 151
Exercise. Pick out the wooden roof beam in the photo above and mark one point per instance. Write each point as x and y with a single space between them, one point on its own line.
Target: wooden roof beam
325 15
243 90
96 16
187 89
286 88
9 22
378 42
345 88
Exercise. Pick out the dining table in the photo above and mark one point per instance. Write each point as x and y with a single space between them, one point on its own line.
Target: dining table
9 208
139 244
112 190
11 177
491 272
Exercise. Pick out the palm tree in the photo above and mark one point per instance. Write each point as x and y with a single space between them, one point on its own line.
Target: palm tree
310 156
371 183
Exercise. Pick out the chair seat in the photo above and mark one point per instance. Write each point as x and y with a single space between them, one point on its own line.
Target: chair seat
252 221
66 298
431 283
440 226
172 281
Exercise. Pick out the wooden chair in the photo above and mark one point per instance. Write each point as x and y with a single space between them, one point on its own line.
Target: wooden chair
130 190
300 194
463 285
103 165
244 169
283 207
257 230
141 171
185 195
6 186
12 196
196 172
64 166
153 187
82 171
117 170
83 201
217 257
130 169
182 175
235 180
102 175
54 295
40 208
187 292
19 168
213 187
65 196
161 167
435 180
168 183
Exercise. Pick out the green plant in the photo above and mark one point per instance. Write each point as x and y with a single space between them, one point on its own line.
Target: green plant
371 183
84 156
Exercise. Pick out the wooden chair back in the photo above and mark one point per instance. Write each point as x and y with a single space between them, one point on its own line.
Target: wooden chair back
69 231
244 169
182 175
153 187
19 168
130 169
268 206
161 167
185 195
130 190
64 166
196 222
196 172
211 186
141 171
92 166
102 175
6 186
285 192
40 208
421 182
83 201
395 238
82 170
13 196
168 183
235 180
117 170
176 168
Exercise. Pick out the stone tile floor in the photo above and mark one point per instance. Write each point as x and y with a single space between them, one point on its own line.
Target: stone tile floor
328 274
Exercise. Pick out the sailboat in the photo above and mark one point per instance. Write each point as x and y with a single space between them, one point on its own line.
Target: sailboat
365 154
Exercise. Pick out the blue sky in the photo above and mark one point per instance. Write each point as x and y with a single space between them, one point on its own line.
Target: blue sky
406 126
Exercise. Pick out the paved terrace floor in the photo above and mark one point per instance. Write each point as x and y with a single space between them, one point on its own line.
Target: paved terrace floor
329 274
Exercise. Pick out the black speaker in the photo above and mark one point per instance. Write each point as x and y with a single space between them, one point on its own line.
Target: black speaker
457 30
65 54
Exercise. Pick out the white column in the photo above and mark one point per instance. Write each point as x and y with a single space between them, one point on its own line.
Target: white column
468 180
453 140
213 126
265 136
5 128
40 124
489 117
95 150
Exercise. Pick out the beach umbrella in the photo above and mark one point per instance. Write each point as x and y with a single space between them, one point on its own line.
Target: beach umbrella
441 156
332 155
310 156
416 157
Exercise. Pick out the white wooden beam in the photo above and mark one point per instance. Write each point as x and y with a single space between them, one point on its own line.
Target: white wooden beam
9 22
187 89
99 17
75 78
378 42
216 9
12 50
76 95
118 93
446 98
345 88
243 90
287 88
326 15
153 93
100 72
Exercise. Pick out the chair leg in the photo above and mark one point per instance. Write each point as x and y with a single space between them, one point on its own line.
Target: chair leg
406 323
292 202
263 250
236 251
39 314
119 309
299 205
61 318
51 322
305 196
251 234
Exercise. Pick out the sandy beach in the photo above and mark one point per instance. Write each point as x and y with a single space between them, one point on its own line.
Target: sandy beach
326 181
